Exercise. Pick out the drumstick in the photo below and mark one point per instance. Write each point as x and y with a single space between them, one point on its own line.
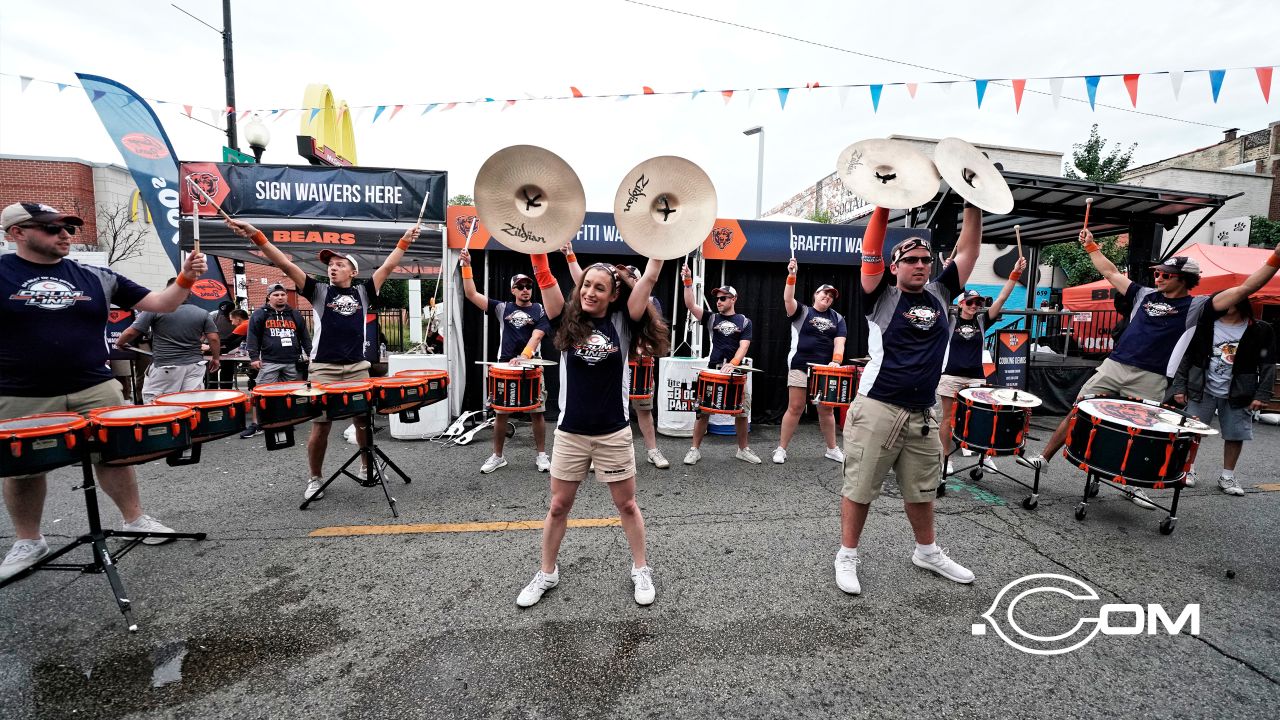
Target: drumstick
423 210
470 231
1088 203
1017 233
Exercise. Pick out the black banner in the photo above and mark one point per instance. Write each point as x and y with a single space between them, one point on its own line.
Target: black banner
1013 352
305 209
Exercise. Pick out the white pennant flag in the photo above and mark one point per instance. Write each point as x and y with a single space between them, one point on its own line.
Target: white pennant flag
1175 80
844 95
946 87
1055 89
360 112
25 81
215 116
751 97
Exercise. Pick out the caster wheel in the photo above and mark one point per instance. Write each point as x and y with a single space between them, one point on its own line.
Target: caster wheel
511 430
1167 525
1093 489
975 474
1081 511
1030 503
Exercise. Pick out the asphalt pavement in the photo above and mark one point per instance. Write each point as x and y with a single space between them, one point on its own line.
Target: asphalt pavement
341 611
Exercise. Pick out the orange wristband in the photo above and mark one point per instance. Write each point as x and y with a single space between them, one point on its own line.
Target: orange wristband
1274 260
791 279
735 362
1091 247
467 272
688 282
184 283
837 358
403 244
259 239
526 353
570 257
1016 275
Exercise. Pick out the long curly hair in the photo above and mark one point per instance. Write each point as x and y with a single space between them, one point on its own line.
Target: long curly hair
650 333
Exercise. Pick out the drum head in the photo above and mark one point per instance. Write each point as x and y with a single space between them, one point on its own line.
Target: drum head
47 420
1140 415
347 385
1000 396
200 397
134 413
280 388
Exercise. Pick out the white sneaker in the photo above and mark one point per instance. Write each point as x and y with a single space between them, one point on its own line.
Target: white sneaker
943 565
989 462
658 460
146 523
313 491
23 555
693 456
542 461
541 583
1139 498
966 452
1230 486
746 455
835 453
1190 479
493 463
1034 461
779 455
951 469
643 579
847 573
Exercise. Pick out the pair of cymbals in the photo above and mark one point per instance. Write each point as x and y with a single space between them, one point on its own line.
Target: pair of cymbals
893 174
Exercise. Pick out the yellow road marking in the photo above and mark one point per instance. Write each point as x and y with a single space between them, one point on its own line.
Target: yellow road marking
1268 487
347 530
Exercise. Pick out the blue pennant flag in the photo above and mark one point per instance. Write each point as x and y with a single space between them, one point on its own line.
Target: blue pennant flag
1215 81
314 113
782 96
1091 86
875 97
377 112
981 86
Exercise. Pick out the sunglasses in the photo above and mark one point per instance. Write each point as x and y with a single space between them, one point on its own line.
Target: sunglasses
1162 275
723 298
51 228
973 301
915 260
523 286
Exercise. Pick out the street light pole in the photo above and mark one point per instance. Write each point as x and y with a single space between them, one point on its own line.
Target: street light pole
758 130
229 70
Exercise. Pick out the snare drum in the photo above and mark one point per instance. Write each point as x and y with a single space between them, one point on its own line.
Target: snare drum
641 378
721 393
219 413
833 386
437 384
993 420
132 434
279 407
38 443
514 388
397 394
1132 442
346 398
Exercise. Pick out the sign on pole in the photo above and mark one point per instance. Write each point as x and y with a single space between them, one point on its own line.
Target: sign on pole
230 155
1013 351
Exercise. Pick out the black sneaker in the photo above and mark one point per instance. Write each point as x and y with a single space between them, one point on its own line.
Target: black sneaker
251 431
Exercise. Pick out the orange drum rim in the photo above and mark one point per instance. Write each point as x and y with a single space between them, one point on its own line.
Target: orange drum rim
423 373
71 421
515 373
645 361
177 412
834 370
346 386
399 382
280 389
236 399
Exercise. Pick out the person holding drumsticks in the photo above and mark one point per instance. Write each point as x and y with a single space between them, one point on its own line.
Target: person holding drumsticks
818 335
969 323
730 339
890 424
522 325
593 331
338 309
53 313
1161 324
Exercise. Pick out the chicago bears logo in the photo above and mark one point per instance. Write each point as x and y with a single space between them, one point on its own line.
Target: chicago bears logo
1136 414
921 317
206 181
1155 309
144 145
595 348
721 236
463 223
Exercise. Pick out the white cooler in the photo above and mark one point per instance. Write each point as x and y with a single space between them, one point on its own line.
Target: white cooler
433 419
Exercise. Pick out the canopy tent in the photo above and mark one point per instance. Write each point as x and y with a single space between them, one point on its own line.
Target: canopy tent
1220 268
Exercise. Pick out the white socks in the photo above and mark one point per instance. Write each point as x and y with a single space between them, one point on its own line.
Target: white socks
929 549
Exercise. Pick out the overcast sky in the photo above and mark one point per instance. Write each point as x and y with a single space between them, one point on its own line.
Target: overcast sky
416 52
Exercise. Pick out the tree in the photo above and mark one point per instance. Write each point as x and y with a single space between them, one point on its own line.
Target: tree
394 294
1089 164
1075 262
1263 232
819 216
118 235
461 199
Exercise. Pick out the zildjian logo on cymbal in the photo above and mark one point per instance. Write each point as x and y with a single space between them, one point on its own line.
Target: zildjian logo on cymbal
520 232
636 193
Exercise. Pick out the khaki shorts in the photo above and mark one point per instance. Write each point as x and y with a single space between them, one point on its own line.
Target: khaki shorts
1113 378
164 379
797 378
949 385
614 455
644 404
104 394
321 373
915 458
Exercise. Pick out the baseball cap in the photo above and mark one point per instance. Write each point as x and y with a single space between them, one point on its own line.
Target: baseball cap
828 288
1180 264
726 290
908 245
518 277
327 255
277 287
21 212
635 271
970 295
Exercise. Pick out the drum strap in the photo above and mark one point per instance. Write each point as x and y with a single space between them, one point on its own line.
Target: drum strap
895 432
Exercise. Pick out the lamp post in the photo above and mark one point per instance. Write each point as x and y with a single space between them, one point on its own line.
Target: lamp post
258 137
758 130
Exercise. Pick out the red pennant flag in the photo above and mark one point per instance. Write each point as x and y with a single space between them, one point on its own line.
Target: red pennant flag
508 104
187 110
648 90
395 110
244 114
230 110
1018 87
1131 84
811 86
576 92
450 106
1264 81
911 88
726 94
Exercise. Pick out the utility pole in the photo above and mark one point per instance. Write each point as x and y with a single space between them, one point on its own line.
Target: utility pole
229 68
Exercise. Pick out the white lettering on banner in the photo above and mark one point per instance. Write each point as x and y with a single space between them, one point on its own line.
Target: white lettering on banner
825 243
270 190
169 198
611 234
1015 360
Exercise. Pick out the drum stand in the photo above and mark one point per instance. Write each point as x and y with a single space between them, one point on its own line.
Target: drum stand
103 560
1093 482
978 469
375 461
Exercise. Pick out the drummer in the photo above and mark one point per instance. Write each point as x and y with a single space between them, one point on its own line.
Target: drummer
730 339
969 323
891 423
338 310
522 325
53 312
818 335
1161 324
604 310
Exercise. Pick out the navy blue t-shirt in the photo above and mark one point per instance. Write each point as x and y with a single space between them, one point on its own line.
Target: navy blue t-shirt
813 336
53 321
338 320
1160 329
964 356
914 329
594 378
516 326
727 331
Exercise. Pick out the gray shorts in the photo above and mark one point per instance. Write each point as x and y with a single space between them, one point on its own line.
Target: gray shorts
165 379
1113 378
1236 423
277 372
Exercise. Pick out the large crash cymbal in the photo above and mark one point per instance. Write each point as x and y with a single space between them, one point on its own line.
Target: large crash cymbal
972 175
530 199
888 173
665 207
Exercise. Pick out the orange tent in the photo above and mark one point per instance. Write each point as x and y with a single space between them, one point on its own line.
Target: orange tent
1220 268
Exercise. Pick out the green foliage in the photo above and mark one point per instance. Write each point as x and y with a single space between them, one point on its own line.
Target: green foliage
1263 232
1075 262
1089 163
394 294
819 216
461 199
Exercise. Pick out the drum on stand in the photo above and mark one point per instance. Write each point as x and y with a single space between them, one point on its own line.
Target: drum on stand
219 413
992 420
39 443
400 396
721 393
282 405
437 384
346 398
133 434
833 386
641 378
514 388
